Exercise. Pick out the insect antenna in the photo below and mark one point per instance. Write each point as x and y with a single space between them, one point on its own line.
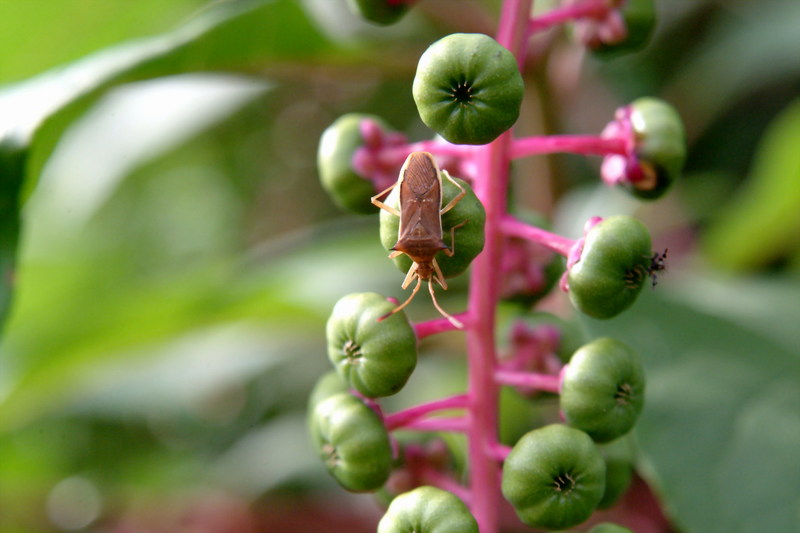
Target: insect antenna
444 313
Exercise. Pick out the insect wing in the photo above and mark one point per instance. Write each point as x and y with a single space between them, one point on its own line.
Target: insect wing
420 198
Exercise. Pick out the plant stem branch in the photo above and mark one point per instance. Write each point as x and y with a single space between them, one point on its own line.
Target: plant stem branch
567 13
500 452
516 228
440 325
443 481
575 144
396 155
457 424
406 416
491 187
529 380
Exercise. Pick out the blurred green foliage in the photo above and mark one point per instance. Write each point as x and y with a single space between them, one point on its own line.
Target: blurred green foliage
173 258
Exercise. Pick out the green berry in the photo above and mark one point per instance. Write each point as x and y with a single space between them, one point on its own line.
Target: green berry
468 88
619 456
619 474
469 237
375 357
614 265
640 21
427 510
554 477
329 384
602 389
337 147
382 12
352 441
660 146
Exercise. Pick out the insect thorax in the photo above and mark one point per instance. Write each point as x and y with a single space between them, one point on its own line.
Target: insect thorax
420 250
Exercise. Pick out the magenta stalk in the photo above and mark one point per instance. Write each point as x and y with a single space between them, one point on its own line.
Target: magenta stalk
396 155
515 228
406 416
529 380
458 424
491 187
567 13
573 144
440 325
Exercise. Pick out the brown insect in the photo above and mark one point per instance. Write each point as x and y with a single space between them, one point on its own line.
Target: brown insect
420 233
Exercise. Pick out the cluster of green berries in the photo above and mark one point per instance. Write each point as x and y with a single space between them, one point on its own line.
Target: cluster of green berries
468 89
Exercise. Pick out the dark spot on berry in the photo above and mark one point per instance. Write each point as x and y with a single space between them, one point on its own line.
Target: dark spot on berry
462 93
564 482
352 351
331 455
634 277
623 394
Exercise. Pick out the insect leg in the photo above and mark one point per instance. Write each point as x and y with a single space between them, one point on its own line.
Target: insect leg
452 203
402 305
378 203
439 276
452 250
409 276
444 313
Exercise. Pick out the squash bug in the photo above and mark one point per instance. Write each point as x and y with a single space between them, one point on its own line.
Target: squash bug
420 233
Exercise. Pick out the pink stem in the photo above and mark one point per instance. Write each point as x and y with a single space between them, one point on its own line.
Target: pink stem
566 13
491 187
458 424
406 416
575 144
440 325
500 452
443 481
396 155
529 380
516 228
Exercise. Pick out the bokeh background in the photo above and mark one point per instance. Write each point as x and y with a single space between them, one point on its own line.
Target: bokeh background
170 259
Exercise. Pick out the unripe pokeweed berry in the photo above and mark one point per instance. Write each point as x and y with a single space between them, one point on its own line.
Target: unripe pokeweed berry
619 473
352 441
660 146
614 265
429 510
375 358
619 456
382 12
554 477
467 216
468 88
329 384
608 527
337 147
640 21
602 389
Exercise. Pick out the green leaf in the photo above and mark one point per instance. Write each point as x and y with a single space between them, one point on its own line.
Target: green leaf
35 39
762 223
241 35
753 49
720 428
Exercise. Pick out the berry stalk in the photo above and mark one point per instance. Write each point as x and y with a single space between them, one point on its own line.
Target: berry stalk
569 12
